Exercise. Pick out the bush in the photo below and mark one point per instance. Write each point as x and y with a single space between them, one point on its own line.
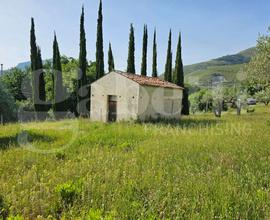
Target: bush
126 146
8 107
68 193
263 96
60 156
3 208
97 215
17 217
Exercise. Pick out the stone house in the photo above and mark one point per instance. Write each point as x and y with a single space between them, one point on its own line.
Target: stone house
120 96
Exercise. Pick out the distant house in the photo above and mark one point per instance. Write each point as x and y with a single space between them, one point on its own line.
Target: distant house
120 96
217 79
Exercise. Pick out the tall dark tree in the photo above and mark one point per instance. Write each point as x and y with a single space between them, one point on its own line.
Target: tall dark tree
144 52
38 82
33 46
179 77
59 96
154 64
168 66
81 81
41 81
179 70
131 52
99 44
110 59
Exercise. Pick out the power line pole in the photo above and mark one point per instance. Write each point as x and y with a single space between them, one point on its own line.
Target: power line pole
2 70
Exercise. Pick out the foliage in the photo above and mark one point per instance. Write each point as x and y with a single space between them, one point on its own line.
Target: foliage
178 76
97 215
16 217
69 67
41 83
59 102
38 81
99 44
33 46
110 59
201 100
168 65
263 96
68 193
144 52
199 167
8 107
154 63
185 102
131 51
259 67
3 208
81 77
17 82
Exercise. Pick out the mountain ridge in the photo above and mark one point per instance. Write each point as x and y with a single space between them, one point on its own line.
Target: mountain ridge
226 66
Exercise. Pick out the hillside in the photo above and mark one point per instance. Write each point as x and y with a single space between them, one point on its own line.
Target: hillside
23 65
226 66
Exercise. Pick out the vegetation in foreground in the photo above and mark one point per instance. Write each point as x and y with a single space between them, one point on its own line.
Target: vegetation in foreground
201 167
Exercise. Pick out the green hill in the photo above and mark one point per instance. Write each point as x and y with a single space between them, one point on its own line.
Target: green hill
225 67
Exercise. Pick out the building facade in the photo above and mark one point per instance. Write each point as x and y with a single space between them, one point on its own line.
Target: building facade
120 96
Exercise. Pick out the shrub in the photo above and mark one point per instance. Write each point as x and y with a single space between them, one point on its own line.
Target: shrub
68 193
60 156
250 109
126 146
97 215
8 107
3 208
16 217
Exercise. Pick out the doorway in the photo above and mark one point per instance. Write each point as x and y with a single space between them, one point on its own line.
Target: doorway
112 107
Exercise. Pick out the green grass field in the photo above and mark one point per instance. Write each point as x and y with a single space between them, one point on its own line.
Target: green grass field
199 168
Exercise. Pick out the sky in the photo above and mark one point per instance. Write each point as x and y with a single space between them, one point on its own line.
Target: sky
210 28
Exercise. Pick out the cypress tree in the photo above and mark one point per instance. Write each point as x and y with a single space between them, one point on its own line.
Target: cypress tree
131 52
99 45
33 46
168 66
41 81
38 82
154 65
81 81
179 77
110 59
185 102
144 52
33 57
59 98
179 70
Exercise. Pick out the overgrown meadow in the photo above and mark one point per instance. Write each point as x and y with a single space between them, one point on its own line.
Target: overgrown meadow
198 168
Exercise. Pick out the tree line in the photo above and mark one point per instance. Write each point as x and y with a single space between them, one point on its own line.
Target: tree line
59 104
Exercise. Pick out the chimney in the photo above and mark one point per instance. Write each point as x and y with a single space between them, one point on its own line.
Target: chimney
2 70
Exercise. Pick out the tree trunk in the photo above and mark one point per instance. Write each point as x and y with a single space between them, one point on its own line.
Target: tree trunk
239 110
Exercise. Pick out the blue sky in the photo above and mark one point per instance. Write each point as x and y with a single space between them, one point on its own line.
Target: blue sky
210 28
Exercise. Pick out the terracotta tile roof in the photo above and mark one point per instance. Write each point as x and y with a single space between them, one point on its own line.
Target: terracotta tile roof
149 81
